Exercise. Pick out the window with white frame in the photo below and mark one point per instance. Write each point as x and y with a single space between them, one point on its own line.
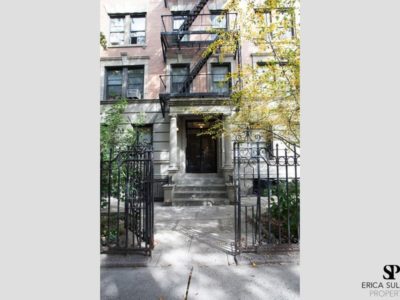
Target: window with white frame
138 30
129 29
117 30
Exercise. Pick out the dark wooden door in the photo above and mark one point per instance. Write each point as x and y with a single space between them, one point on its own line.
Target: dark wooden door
201 152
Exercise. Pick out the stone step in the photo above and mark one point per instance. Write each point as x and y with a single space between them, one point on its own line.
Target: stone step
201 175
200 194
200 181
200 202
197 188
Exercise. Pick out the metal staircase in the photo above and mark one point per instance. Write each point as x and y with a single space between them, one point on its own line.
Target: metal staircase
191 17
196 69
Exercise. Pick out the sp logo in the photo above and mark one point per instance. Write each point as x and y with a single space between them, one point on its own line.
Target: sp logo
390 271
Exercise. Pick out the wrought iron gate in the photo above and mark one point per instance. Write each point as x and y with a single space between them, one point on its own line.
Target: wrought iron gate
126 200
267 191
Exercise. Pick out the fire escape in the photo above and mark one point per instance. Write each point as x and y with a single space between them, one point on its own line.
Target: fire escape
189 38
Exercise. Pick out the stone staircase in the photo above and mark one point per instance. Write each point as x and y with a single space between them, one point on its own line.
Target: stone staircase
200 189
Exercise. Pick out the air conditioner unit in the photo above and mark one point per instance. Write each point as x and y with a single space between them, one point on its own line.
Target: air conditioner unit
133 94
114 40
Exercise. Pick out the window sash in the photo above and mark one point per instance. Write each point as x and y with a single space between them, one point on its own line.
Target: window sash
138 23
136 79
285 16
144 135
220 83
138 31
218 21
138 37
117 24
177 22
114 83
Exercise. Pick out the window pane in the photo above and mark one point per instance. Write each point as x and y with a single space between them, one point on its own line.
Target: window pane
136 79
143 135
285 26
116 38
117 24
218 21
114 83
268 18
219 73
138 24
138 38
114 91
220 82
114 77
178 21
135 71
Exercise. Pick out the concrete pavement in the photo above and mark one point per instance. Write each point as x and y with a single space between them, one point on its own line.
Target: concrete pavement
207 282
199 237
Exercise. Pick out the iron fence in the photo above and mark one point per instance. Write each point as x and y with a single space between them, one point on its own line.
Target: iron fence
267 191
126 200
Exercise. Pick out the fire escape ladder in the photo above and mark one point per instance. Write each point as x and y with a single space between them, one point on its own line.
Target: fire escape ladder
196 69
191 17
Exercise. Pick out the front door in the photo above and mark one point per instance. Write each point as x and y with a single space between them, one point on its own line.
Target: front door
201 150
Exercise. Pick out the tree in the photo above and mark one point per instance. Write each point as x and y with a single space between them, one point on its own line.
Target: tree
114 133
267 95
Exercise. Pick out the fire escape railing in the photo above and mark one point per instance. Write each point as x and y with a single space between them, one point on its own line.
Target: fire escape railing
196 32
191 17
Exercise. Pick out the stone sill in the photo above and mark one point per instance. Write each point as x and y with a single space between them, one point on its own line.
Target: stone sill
141 101
127 46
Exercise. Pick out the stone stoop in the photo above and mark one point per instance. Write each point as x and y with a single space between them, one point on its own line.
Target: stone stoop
206 189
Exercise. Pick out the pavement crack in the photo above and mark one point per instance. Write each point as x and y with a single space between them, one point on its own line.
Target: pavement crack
188 285
190 243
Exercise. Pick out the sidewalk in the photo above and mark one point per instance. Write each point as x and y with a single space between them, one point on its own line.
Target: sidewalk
198 237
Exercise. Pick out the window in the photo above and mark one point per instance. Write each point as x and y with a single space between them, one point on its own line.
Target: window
144 134
220 82
138 30
114 83
125 82
218 21
117 30
136 80
178 19
262 69
128 29
179 74
285 28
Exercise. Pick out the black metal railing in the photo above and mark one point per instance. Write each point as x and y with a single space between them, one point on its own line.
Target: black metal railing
199 32
203 23
126 200
267 192
201 85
